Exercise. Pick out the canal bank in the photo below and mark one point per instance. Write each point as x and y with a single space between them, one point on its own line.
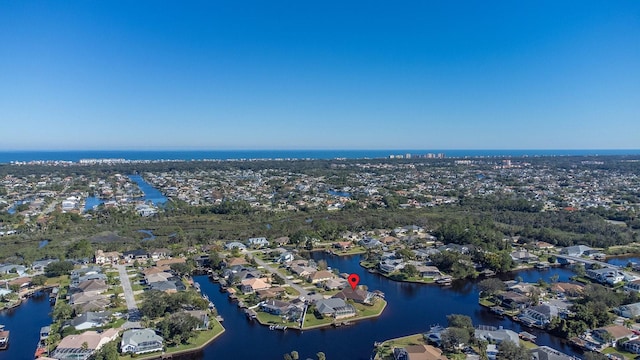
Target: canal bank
411 309
24 323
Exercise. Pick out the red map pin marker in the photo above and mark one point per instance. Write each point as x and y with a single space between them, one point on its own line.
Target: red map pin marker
353 280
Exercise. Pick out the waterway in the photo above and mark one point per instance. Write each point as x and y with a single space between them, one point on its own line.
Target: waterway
150 194
24 323
412 308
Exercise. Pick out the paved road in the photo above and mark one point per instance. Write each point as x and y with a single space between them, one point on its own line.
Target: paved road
134 313
587 261
269 268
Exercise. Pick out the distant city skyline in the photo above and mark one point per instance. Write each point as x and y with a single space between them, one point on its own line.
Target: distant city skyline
330 75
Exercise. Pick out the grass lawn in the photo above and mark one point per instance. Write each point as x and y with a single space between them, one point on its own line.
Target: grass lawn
60 280
367 310
199 341
487 302
270 319
291 291
528 344
627 355
353 251
385 350
311 321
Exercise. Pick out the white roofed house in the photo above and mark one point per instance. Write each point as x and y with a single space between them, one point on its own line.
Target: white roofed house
82 346
629 311
140 341
539 315
258 242
320 276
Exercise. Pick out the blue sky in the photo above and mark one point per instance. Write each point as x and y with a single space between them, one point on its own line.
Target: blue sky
319 75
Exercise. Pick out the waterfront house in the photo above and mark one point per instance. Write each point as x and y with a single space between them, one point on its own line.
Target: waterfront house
632 346
547 353
605 275
358 295
539 315
523 257
512 300
170 286
140 341
567 289
285 258
629 311
335 308
633 286
275 307
388 266
40 265
320 276
428 271
576 251
616 333
370 243
202 316
496 335
82 346
337 283
418 352
19 270
249 286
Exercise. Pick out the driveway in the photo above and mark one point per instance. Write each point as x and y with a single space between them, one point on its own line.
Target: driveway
272 270
134 313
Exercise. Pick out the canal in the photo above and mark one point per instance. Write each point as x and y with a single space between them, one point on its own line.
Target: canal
24 323
412 308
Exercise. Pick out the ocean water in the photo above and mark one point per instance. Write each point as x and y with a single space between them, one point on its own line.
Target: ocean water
20 156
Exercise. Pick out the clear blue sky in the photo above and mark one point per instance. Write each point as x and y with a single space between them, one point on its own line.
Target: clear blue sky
319 74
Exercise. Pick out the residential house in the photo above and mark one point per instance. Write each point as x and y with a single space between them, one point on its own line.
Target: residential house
547 353
161 253
258 242
629 311
275 307
19 270
320 276
249 286
616 333
390 265
335 308
40 265
513 300
202 316
337 283
567 289
418 352
358 295
132 255
90 320
170 286
370 243
285 258
428 271
82 346
523 257
236 245
539 315
171 261
496 335
606 275
633 286
91 287
632 346
302 271
140 341
577 250
102 258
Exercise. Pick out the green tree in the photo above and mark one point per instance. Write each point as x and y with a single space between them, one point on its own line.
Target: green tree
62 311
108 352
58 268
508 350
410 270
453 338
491 286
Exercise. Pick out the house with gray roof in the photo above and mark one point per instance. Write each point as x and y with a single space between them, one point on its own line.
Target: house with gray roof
539 315
496 335
547 353
140 341
90 320
335 308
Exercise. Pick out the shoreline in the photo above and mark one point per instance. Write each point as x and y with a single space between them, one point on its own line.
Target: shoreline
170 355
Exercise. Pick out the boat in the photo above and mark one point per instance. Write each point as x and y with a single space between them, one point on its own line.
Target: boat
42 347
445 281
4 338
